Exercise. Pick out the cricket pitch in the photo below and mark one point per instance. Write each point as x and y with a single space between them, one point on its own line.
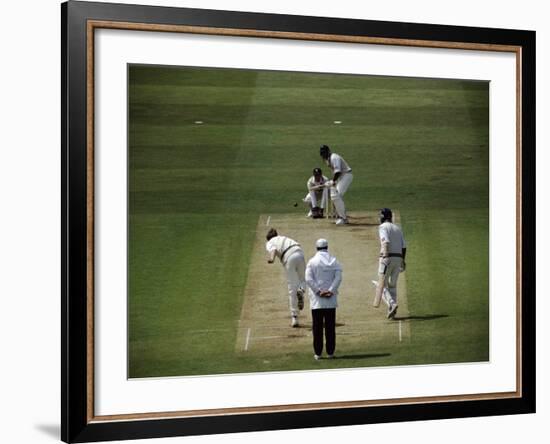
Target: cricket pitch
264 325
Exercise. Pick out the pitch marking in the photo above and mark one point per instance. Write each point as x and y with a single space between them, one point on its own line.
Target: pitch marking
247 339
261 285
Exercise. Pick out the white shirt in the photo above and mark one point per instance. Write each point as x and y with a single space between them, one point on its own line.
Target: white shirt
280 244
338 164
391 233
311 182
323 272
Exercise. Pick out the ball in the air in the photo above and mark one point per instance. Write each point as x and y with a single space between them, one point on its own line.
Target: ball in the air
295 204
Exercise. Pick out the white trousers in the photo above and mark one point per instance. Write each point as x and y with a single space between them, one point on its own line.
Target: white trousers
295 266
337 192
391 274
312 198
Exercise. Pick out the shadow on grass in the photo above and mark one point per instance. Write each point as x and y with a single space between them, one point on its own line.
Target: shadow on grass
308 326
363 224
421 318
364 356
303 327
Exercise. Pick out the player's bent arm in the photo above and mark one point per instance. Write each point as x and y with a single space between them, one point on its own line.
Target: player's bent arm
335 163
403 264
403 241
271 257
336 281
337 175
384 253
310 280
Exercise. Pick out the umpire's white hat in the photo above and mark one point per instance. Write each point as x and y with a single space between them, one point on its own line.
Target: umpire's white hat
321 244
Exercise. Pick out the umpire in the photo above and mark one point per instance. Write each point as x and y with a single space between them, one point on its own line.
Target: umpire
323 277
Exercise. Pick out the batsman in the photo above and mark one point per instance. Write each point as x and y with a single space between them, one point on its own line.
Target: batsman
393 249
342 178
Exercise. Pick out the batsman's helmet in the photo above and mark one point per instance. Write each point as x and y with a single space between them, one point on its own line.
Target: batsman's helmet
324 151
385 215
317 172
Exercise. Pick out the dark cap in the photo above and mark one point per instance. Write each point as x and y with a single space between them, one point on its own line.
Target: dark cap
385 215
271 233
323 151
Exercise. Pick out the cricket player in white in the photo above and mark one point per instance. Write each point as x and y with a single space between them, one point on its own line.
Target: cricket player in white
392 261
340 182
317 195
292 258
323 277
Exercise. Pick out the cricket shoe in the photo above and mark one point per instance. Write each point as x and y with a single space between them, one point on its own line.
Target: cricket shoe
330 357
310 214
300 297
294 322
316 357
341 221
392 311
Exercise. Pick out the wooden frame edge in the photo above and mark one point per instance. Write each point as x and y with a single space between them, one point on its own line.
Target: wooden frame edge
90 185
233 32
91 25
302 407
519 220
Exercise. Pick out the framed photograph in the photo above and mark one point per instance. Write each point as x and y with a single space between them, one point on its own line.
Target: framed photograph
275 221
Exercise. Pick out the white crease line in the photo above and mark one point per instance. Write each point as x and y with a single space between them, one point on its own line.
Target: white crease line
247 340
400 332
268 219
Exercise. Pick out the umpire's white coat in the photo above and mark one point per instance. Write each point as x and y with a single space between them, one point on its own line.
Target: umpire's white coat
323 272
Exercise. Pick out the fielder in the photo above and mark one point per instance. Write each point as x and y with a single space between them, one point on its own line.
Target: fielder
393 249
317 195
323 277
292 258
340 182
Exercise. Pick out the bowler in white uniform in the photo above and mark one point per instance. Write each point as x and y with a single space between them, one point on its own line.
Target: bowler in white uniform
323 278
393 249
292 258
340 182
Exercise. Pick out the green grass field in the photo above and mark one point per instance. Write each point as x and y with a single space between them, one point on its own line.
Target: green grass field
196 192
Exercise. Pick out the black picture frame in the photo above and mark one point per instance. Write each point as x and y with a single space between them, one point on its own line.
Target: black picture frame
77 424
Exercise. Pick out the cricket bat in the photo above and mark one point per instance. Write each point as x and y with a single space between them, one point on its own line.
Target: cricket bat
379 291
